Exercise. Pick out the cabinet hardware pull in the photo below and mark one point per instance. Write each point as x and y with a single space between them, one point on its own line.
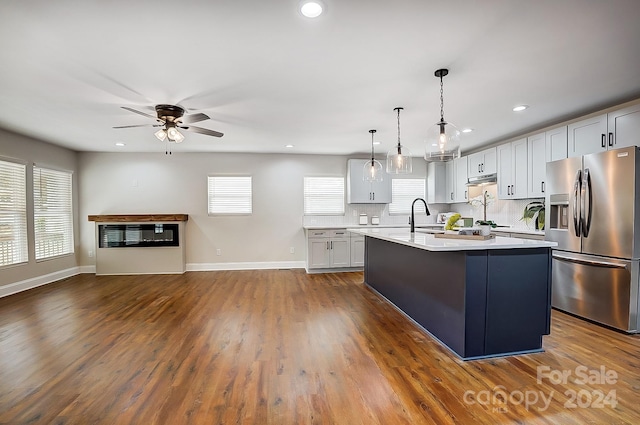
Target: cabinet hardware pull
604 140
451 196
542 186
331 244
610 139
479 168
327 244
374 196
465 194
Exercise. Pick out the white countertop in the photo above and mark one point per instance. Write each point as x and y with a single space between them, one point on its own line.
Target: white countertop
428 242
369 226
518 230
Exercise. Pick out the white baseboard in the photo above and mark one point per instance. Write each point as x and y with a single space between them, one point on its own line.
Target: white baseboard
34 282
88 269
266 265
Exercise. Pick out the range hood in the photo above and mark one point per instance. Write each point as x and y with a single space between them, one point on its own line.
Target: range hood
480 180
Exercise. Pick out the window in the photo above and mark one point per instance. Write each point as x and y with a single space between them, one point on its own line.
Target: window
229 195
52 212
13 213
403 192
324 195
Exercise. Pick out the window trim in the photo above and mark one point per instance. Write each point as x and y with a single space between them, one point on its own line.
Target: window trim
71 234
408 211
25 236
210 213
304 195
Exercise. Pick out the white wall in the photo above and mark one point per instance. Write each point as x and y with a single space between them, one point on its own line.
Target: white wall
139 183
27 150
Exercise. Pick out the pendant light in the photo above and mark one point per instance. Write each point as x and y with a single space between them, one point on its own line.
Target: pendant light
399 157
443 138
372 171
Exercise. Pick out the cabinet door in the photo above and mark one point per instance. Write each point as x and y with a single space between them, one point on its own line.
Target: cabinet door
537 165
460 190
358 190
340 252
519 169
318 253
489 161
357 251
587 136
556 144
624 127
450 181
381 191
436 183
474 164
504 171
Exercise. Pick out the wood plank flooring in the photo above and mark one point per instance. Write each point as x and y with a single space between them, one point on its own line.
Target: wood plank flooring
283 347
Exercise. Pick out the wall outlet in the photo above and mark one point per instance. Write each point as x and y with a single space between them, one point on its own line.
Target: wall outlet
90 253
292 250
218 251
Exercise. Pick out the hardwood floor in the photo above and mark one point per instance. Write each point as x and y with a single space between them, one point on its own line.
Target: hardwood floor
283 347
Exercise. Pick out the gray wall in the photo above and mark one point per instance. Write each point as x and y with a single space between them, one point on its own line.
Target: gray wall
139 183
30 151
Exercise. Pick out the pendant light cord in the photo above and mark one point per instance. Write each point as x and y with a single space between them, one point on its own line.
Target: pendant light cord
441 100
372 157
399 145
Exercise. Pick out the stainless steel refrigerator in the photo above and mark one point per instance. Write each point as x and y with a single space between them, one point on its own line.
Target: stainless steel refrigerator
592 212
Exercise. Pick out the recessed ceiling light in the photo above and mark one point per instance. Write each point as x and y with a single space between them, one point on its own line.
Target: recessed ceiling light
311 9
376 143
288 146
520 108
119 144
467 130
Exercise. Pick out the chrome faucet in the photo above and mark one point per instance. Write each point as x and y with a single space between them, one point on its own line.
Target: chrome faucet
413 219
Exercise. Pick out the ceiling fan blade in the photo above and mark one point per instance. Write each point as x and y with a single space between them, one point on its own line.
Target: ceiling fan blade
203 131
187 119
144 114
139 125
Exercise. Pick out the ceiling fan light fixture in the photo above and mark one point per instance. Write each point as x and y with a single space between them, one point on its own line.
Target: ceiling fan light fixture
443 138
399 159
161 134
174 135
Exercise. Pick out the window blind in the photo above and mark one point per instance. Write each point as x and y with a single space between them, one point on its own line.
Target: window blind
13 213
52 212
323 195
229 195
403 192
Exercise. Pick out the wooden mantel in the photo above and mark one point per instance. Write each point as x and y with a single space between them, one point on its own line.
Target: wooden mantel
132 218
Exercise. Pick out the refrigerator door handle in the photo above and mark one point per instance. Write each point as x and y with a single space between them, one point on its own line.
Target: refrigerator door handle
584 261
577 225
587 203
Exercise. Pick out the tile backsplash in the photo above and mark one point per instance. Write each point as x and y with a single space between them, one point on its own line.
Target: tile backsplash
503 212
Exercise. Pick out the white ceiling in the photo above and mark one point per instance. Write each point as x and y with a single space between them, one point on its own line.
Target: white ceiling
268 76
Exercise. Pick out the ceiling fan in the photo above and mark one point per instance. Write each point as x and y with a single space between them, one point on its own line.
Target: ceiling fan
171 118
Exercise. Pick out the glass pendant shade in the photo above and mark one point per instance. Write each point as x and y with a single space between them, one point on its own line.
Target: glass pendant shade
372 171
443 142
399 158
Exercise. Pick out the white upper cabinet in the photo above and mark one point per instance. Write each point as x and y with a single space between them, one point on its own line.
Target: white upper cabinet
360 191
624 127
512 170
587 136
436 183
537 164
482 163
460 193
556 144
450 171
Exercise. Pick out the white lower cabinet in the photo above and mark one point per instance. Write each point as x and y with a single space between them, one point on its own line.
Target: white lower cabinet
357 251
334 249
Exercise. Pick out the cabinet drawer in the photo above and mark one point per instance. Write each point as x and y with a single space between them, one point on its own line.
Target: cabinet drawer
338 233
319 233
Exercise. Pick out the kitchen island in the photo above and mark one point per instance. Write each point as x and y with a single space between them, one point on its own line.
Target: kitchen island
479 298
